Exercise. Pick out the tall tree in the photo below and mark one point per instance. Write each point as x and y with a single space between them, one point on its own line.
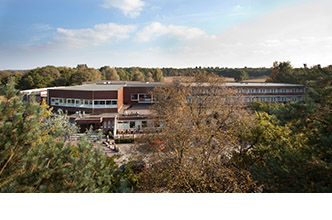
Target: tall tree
283 161
199 120
109 73
158 75
85 75
138 76
149 77
35 158
282 72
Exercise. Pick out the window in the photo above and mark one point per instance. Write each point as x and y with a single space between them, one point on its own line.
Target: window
144 98
105 103
144 124
132 124
87 102
134 97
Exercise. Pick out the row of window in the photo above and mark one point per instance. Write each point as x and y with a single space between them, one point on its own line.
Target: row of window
84 103
274 99
270 90
141 98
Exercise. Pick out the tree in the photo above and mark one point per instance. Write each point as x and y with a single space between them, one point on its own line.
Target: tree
109 73
85 75
138 76
281 160
149 77
199 121
34 156
39 78
240 75
282 72
158 75
123 75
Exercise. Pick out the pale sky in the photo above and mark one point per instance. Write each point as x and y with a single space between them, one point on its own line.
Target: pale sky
164 33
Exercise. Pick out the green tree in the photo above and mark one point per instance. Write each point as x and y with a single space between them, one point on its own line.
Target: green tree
123 74
39 78
149 77
109 73
138 76
282 72
85 75
240 75
158 75
35 158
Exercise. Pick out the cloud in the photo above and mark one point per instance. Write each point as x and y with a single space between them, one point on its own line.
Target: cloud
131 8
301 34
157 29
77 38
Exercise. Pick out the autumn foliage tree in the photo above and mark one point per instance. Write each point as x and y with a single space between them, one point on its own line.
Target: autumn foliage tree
200 121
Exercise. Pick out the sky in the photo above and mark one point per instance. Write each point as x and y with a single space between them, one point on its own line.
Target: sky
164 33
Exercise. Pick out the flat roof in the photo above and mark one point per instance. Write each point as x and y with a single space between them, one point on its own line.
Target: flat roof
137 110
119 82
116 85
92 87
107 86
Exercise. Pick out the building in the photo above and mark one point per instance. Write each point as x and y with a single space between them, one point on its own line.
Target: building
122 106
117 106
269 92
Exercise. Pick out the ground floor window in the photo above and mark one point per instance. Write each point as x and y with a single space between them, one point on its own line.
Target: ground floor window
84 103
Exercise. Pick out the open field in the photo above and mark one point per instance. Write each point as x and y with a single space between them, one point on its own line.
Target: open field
257 80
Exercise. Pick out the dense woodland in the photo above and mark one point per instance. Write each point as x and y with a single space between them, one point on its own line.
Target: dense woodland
264 147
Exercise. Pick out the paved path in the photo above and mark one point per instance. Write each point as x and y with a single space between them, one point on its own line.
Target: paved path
125 151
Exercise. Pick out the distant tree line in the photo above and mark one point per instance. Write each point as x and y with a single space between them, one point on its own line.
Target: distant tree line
50 76
220 71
